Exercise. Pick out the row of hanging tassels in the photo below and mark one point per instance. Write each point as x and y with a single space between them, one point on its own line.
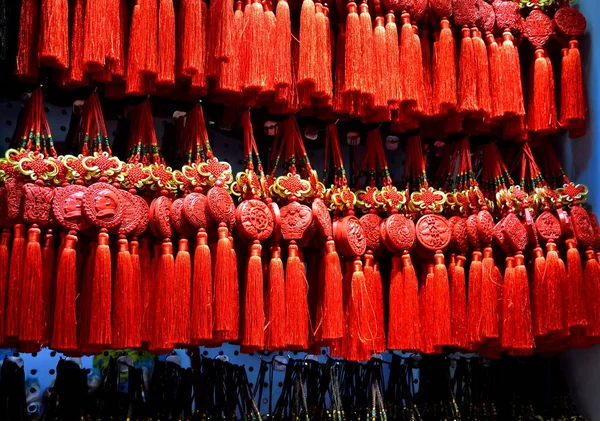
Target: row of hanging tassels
97 253
407 61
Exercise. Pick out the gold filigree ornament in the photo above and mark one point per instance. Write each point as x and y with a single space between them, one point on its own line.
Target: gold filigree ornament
214 170
292 186
427 199
102 165
161 178
367 199
136 176
35 166
571 193
341 198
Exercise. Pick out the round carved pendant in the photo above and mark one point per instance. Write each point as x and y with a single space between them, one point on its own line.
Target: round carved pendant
400 232
485 226
254 220
144 212
295 220
487 18
433 232
220 205
131 214
181 225
473 231
459 236
322 217
570 22
582 226
350 237
532 232
548 226
102 205
507 14
371 225
37 204
161 216
464 12
441 8
538 28
67 206
274 208
195 210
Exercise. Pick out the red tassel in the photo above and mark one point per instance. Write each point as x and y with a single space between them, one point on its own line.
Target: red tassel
475 301
282 46
48 261
508 305
574 288
541 108
554 285
426 314
228 84
202 291
165 303
427 93
100 333
226 290
166 44
253 63
95 35
135 79
54 33
367 83
253 334
4 266
381 71
125 326
191 54
467 77
482 66
444 71
393 59
149 17
591 279
307 64
458 304
73 76
31 325
375 288
395 335
27 53
85 303
572 97
411 331
147 288
523 332
116 13
183 294
333 304
539 294
64 332
359 337
353 60
268 93
411 67
296 297
136 279
441 303
324 82
496 72
275 304
491 283
511 89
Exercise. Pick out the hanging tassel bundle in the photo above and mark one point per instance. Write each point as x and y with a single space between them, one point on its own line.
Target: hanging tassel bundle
465 15
275 309
30 325
323 80
191 40
252 62
64 334
444 61
475 312
135 79
202 291
574 288
411 304
539 305
458 304
393 59
27 53
4 269
296 299
352 51
395 335
542 108
554 285
523 335
411 67
382 82
125 331
48 263
95 36
307 63
591 279
73 75
571 24
54 33
367 82
228 86
282 45
166 44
